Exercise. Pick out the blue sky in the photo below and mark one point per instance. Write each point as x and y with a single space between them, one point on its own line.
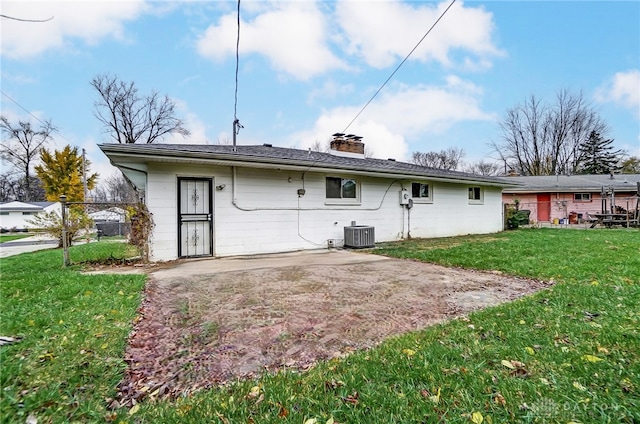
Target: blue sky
306 68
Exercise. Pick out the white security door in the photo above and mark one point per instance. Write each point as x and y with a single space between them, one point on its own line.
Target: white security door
195 218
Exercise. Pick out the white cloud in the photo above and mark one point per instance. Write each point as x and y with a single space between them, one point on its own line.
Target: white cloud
377 137
193 123
404 112
292 35
382 32
330 90
622 89
85 20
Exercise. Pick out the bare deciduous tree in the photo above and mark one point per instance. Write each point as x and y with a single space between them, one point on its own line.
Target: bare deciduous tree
130 117
22 148
317 146
630 165
539 139
115 188
448 159
483 168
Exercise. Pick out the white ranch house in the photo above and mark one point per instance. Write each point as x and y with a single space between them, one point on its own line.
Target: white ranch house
16 215
221 200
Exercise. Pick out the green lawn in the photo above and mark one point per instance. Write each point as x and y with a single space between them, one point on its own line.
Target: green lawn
73 329
570 353
9 237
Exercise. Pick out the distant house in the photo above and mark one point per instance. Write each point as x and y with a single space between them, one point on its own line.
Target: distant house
15 215
221 200
572 196
113 214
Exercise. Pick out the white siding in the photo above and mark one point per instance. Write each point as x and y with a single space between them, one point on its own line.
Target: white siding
20 219
269 216
16 220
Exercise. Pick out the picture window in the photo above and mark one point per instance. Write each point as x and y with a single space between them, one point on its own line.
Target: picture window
421 192
341 189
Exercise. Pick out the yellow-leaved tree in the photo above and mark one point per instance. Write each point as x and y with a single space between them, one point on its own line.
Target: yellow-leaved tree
61 173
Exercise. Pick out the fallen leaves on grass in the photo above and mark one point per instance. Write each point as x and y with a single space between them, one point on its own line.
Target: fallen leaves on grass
499 399
351 399
282 411
517 368
477 418
591 358
433 398
134 409
579 386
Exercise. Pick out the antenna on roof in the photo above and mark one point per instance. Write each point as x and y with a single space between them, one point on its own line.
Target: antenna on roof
236 130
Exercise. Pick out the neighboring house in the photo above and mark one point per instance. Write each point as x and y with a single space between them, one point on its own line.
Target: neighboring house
15 215
223 200
111 222
572 196
114 214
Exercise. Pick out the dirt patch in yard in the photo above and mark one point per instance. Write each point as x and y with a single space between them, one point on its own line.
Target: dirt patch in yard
215 323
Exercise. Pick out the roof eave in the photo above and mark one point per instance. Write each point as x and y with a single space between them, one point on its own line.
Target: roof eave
232 159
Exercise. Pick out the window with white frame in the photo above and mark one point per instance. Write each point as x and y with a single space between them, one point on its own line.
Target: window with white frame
421 192
342 190
582 197
476 195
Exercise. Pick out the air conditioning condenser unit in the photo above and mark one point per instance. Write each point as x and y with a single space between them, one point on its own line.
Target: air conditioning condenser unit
359 236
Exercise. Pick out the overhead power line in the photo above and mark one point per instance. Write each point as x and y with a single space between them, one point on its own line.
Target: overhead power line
235 104
400 65
33 116
236 121
26 20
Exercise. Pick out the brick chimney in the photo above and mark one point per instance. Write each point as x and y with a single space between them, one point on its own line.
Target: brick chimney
347 145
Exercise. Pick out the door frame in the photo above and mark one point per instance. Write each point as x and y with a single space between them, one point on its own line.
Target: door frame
209 217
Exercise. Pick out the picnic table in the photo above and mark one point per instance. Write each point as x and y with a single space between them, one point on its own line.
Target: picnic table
611 219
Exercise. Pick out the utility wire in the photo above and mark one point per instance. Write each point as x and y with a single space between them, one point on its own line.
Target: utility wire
26 20
34 116
398 67
235 104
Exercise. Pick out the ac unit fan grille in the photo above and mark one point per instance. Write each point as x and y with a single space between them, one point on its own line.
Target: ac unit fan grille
359 236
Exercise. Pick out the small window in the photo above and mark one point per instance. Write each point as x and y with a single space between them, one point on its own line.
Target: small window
4 213
582 197
342 188
29 213
421 191
475 195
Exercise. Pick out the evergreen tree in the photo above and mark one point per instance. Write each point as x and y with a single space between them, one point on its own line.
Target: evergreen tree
597 155
61 173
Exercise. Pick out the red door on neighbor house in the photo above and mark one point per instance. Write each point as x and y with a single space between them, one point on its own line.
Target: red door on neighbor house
544 206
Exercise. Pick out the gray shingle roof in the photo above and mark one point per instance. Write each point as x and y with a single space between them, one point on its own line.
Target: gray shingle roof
42 204
16 206
570 183
285 156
